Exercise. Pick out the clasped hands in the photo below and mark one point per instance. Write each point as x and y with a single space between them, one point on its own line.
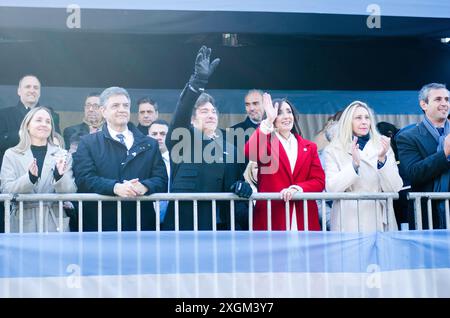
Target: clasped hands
130 188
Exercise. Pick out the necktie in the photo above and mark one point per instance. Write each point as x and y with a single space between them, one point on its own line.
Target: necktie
440 131
121 139
163 210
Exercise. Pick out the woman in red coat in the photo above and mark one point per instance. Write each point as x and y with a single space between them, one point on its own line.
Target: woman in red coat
287 164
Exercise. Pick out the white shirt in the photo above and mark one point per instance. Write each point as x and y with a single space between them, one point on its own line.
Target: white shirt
129 139
290 145
166 159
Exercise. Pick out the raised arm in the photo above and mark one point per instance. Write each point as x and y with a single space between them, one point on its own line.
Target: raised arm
203 69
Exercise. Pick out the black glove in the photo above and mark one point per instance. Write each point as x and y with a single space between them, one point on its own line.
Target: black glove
203 69
242 189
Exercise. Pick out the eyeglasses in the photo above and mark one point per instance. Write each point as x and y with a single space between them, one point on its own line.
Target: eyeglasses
94 106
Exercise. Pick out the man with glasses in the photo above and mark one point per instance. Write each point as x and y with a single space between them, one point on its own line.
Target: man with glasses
92 120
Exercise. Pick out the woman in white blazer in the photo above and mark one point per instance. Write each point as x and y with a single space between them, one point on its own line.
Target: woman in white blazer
37 165
359 159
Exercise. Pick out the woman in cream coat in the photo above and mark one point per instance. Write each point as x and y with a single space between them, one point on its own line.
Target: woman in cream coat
359 159
36 165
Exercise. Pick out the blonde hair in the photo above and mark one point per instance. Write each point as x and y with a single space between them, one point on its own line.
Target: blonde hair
344 133
24 135
59 140
248 173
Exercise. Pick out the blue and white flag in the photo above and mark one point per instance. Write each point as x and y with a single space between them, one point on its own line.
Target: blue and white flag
226 264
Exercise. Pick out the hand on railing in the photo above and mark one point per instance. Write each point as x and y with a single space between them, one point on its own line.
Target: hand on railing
287 193
242 189
139 187
125 189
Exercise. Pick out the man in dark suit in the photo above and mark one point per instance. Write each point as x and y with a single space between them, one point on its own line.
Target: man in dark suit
119 160
201 159
424 150
158 131
254 110
241 132
92 120
29 91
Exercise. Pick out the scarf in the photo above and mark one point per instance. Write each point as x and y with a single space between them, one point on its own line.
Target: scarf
362 141
441 184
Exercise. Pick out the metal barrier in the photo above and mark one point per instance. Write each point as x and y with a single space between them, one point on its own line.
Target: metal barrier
19 199
418 196
6 198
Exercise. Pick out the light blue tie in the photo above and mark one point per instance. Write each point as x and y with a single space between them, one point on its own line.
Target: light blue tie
162 210
121 139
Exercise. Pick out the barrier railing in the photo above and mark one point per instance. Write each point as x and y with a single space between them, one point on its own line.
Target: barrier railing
6 198
18 200
429 196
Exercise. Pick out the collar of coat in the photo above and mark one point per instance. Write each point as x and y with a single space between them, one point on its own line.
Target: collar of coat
426 139
137 135
24 109
141 142
249 123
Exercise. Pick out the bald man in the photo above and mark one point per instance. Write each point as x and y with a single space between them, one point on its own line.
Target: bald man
29 91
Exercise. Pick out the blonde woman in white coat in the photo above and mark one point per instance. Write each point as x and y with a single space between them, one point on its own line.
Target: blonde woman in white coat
36 165
359 159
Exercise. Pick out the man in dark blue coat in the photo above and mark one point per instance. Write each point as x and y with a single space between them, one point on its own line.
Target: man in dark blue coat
242 131
119 160
424 150
201 159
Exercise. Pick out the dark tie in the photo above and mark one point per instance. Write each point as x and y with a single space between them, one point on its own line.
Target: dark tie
440 131
121 139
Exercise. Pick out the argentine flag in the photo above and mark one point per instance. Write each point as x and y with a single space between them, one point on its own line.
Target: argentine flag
226 264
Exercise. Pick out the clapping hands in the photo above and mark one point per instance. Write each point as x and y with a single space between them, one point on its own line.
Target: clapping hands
385 145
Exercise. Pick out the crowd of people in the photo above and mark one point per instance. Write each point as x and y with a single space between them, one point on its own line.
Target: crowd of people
107 154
